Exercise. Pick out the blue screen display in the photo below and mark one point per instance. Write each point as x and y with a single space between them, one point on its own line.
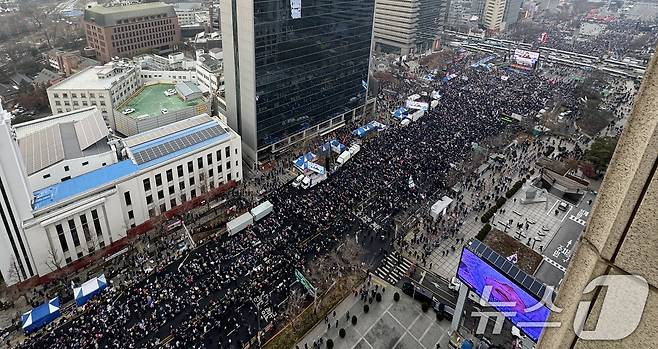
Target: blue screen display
477 274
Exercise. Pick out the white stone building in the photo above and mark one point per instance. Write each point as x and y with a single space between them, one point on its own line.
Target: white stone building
78 202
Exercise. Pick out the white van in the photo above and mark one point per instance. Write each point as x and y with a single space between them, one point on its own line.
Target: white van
298 181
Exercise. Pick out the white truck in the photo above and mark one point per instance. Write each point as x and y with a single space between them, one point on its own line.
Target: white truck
312 180
343 157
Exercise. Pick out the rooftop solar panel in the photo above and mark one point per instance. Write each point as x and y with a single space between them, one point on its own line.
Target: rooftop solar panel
165 131
177 144
508 268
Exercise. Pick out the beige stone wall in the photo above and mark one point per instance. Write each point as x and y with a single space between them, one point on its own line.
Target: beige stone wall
622 234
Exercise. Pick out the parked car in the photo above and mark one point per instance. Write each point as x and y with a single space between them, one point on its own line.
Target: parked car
454 284
128 111
563 206
164 111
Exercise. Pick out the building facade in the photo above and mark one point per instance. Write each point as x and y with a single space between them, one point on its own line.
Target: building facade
293 69
494 15
127 30
512 10
103 86
404 26
49 224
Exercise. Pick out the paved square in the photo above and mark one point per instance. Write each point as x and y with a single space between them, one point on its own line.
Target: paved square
388 325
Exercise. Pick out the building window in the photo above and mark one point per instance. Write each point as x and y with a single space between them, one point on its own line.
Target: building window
64 179
209 159
191 181
147 184
158 180
192 193
227 152
172 203
47 175
151 212
190 167
163 208
74 233
149 199
219 169
170 175
228 176
97 225
66 168
210 172
179 169
85 163
228 165
181 185
85 229
131 215
171 190
62 238
126 196
199 163
160 195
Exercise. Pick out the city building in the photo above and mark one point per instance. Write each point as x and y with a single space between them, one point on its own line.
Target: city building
127 30
512 10
210 70
132 96
68 188
191 13
68 63
494 15
405 26
104 86
619 247
294 69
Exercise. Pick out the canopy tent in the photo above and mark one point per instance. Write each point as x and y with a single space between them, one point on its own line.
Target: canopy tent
337 146
367 128
41 316
89 289
301 161
238 224
400 113
440 207
324 149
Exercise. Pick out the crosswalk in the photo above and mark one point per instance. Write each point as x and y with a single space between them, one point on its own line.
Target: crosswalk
391 271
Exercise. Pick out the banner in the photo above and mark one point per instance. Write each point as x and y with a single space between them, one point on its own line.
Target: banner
417 105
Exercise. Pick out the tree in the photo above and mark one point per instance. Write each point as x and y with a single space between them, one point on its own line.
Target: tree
295 303
54 261
14 271
38 17
600 153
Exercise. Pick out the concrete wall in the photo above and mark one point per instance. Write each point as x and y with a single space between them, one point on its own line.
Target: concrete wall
621 236
54 174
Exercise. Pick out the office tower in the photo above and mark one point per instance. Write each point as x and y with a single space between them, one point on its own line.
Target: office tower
294 68
404 26
127 30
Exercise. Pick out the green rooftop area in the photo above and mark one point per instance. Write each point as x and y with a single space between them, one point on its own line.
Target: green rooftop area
150 100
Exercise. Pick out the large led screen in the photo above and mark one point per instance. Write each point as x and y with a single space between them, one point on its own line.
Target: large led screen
477 274
525 59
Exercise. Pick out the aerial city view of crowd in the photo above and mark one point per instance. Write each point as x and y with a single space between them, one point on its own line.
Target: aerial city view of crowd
224 292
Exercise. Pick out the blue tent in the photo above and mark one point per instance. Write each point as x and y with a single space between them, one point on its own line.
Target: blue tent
89 289
41 316
325 149
400 113
301 161
337 146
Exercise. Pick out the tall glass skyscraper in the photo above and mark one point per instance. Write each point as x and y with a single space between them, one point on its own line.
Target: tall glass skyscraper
293 68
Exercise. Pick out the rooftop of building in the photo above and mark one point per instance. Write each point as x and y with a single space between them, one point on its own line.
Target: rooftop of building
95 78
151 99
62 137
123 14
145 150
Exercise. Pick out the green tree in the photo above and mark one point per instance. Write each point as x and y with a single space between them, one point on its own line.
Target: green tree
601 152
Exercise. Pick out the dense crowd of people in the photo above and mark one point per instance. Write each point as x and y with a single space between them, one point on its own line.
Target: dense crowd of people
215 296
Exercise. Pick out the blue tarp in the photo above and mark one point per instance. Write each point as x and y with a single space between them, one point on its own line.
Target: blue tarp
89 289
483 62
41 316
400 113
